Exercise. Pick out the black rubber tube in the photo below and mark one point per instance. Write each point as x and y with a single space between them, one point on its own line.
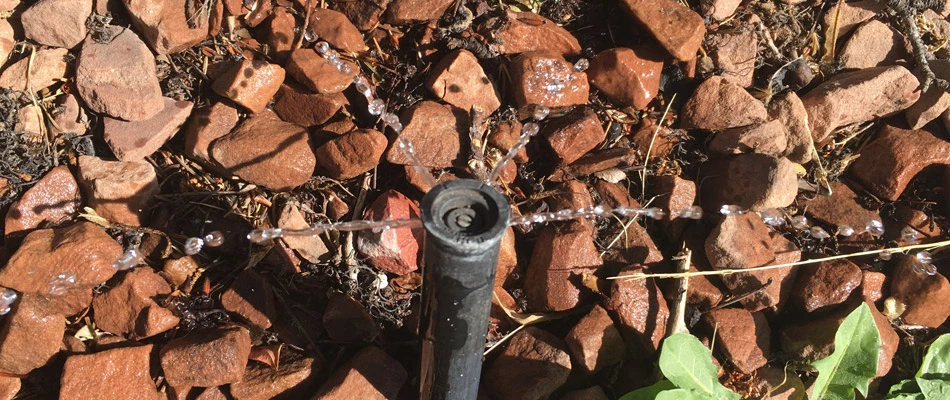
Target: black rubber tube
464 221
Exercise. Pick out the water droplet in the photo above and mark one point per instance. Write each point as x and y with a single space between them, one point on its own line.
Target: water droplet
333 57
924 256
730 209
818 233
772 216
193 245
530 129
875 227
555 86
363 87
392 120
345 68
800 222
7 298
655 213
214 239
128 260
581 65
59 285
309 36
884 256
259 236
322 47
376 107
845 230
541 112
909 234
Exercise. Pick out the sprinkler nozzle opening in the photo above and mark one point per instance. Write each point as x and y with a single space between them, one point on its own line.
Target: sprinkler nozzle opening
465 212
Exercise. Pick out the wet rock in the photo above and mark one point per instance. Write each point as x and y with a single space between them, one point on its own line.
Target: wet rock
72 118
179 270
119 191
207 357
562 254
120 373
56 23
826 284
295 104
268 152
252 83
719 10
845 17
772 288
533 366
594 342
118 78
364 13
281 33
872 286
263 382
791 113
859 96
310 248
733 53
888 163
640 308
574 135
751 181
352 154
168 26
923 295
44 68
30 335
129 308
434 131
933 103
259 13
719 104
768 138
459 80
135 140
596 161
629 77
739 242
873 44
53 200
318 74
921 221
527 31
402 12
545 78
251 297
504 137
676 195
742 336
842 207
591 393
392 250
206 125
370 374
337 30
678 29
779 384
346 320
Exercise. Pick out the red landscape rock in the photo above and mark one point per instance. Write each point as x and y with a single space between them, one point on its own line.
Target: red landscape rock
719 10
574 135
789 110
179 270
779 383
56 23
115 374
118 78
318 74
826 284
750 181
591 393
842 207
402 12
533 366
629 77
527 31
888 163
168 26
505 135
545 78
44 68
135 140
252 83
53 200
293 378
932 103
561 254
281 33
7 41
719 104
251 297
678 29
206 125
337 30
73 117
873 44
872 286
295 104
9 387
640 308
392 250
459 80
268 152
847 16
207 357
129 308
742 336
923 295
739 242
594 342
370 374
596 161
346 320
364 14
260 12
768 138
352 154
434 131
773 287
30 335
118 191
310 248
507 260
659 141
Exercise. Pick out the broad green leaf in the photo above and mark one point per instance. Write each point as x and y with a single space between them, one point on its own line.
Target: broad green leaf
936 364
688 364
684 394
906 386
854 362
905 396
934 389
649 392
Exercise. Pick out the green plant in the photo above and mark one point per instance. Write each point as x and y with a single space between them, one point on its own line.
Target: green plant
854 361
689 370
933 378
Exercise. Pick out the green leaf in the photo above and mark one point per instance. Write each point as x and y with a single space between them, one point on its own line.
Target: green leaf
906 386
688 364
854 362
649 392
934 389
936 364
684 394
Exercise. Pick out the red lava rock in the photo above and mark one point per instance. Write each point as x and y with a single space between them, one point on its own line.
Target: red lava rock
872 286
545 78
7 41
9 387
207 357
434 131
826 284
561 254
260 13
719 10
266 151
401 12
120 373
459 80
742 336
595 342
675 195
701 292
346 320
596 161
212 393
504 136
678 29
118 78
740 242
859 96
29 122
392 250
56 23
773 297
364 13
129 309
767 138
30 335
640 308
591 393
281 33
252 83
751 181
73 117
251 297
337 30
888 163
659 141
847 16
873 44
316 73
310 248
135 140
45 67
571 195
118 191
719 104
629 77
574 135
923 295
54 199
262 382
370 374
932 103
527 31
919 220
533 366
179 270
206 125
507 260
167 25
779 384
352 154
295 104
842 207
791 113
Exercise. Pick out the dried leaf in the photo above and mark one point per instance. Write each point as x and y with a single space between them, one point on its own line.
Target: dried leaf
269 355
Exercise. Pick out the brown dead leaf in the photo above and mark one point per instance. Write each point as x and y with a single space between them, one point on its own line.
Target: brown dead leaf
269 355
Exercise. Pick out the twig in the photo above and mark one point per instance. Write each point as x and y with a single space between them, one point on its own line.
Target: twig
646 161
306 25
678 314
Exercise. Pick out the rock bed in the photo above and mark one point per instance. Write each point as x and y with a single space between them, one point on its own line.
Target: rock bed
143 141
